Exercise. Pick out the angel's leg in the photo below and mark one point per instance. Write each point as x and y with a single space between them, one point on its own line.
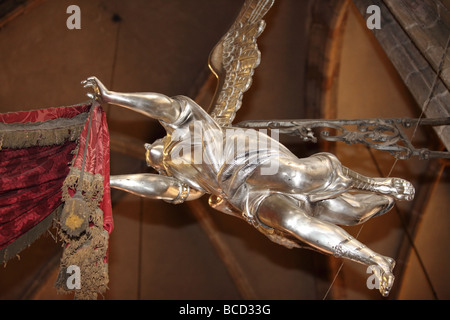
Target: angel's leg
351 209
322 176
288 215
154 186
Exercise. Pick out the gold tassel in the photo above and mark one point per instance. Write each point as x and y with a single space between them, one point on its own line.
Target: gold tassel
75 215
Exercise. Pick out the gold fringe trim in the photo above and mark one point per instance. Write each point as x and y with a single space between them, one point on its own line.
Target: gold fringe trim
46 133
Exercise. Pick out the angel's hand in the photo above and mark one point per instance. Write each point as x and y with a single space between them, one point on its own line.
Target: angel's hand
100 91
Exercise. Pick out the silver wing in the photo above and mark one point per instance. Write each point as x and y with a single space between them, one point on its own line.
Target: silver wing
234 59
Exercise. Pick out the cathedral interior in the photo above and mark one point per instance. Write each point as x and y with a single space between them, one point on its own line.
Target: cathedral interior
319 60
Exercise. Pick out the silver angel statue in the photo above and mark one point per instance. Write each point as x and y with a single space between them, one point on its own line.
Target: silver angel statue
248 174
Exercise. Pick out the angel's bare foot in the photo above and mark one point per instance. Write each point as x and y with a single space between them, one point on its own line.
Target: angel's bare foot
383 271
396 187
385 280
386 283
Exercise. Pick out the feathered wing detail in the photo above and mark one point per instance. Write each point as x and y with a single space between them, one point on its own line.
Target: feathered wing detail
234 59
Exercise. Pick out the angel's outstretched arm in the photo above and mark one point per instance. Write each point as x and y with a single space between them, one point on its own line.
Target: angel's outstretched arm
153 105
155 186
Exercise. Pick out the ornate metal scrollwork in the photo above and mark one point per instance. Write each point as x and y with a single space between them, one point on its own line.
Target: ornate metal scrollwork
382 134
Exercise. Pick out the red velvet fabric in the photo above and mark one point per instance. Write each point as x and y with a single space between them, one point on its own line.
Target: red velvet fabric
30 187
31 179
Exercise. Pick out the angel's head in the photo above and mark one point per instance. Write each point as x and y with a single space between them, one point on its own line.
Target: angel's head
154 154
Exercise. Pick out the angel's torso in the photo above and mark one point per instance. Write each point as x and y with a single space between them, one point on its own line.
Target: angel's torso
216 160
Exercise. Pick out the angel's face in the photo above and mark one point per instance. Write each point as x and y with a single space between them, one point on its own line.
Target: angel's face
154 154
